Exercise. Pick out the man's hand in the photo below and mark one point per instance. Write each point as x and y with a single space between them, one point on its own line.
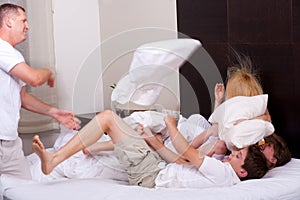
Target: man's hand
51 80
66 118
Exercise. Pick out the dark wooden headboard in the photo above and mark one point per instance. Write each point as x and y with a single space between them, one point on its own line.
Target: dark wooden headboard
267 31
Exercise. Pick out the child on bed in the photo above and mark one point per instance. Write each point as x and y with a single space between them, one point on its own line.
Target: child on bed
243 82
240 83
145 166
189 127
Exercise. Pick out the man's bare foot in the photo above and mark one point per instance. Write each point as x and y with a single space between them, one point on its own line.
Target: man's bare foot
45 156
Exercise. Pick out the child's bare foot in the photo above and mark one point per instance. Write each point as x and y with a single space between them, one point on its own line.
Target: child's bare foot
45 156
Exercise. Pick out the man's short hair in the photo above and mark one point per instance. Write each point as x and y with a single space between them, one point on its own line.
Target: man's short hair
7 9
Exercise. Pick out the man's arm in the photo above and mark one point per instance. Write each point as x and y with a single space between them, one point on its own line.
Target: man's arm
33 104
33 77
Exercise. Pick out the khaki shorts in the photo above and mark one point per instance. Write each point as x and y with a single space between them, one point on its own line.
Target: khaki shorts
140 161
12 159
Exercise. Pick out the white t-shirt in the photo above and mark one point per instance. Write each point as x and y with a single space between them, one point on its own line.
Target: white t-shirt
10 87
212 173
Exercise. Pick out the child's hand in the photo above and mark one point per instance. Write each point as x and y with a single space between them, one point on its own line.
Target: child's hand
170 121
145 132
219 93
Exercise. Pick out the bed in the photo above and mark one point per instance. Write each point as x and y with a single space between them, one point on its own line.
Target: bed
101 176
280 183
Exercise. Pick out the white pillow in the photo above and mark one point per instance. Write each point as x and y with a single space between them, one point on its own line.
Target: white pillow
152 119
247 132
152 64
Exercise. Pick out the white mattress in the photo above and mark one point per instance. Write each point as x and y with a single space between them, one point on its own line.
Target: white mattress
81 177
280 183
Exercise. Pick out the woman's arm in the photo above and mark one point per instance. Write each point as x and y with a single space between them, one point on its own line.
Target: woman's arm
213 147
203 137
266 116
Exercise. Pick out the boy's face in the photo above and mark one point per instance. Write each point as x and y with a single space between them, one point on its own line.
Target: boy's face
237 159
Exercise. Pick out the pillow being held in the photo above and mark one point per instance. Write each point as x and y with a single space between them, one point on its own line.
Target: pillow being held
246 132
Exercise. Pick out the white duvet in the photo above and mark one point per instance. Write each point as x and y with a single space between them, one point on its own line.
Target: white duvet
102 177
105 164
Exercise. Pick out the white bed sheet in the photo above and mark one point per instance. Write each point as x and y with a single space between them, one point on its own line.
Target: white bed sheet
102 177
280 183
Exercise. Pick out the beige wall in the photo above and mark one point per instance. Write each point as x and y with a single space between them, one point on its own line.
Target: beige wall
125 25
78 60
90 45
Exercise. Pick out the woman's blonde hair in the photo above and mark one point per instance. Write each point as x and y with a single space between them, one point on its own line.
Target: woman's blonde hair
241 80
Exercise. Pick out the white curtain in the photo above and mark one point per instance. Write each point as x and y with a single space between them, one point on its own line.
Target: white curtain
35 123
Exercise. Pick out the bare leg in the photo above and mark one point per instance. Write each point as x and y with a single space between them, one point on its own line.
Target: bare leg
50 160
106 121
98 146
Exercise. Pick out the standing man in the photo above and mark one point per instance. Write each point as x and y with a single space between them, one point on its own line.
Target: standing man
14 75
